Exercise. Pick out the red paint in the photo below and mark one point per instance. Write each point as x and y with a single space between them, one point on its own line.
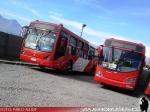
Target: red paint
116 78
41 109
51 59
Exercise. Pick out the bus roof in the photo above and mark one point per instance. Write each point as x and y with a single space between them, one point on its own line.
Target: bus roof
61 26
125 41
43 22
139 46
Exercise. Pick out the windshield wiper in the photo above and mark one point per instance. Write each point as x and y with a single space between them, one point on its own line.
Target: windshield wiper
122 61
41 37
46 34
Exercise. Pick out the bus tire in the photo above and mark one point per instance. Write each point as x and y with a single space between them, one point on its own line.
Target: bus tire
143 78
69 66
143 81
92 72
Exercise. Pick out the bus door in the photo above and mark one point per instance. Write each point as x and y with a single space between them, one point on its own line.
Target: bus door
61 45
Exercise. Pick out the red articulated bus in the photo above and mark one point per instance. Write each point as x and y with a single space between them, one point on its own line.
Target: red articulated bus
54 46
120 63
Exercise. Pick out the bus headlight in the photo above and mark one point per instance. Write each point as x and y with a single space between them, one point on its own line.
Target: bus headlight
99 73
131 80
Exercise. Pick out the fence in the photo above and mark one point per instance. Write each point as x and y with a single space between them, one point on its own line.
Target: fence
9 46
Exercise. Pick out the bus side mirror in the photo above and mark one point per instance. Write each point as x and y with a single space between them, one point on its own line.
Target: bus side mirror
24 31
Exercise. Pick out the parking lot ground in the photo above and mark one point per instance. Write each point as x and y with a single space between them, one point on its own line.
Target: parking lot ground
32 86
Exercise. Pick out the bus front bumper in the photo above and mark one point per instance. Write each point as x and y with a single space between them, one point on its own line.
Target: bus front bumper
102 79
34 60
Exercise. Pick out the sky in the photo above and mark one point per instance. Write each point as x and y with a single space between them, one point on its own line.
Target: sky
121 19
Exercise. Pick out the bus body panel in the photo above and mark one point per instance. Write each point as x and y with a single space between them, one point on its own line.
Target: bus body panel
116 78
36 57
91 66
36 53
103 80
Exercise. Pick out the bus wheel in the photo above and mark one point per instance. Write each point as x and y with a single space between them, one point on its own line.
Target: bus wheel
144 77
143 81
92 72
68 66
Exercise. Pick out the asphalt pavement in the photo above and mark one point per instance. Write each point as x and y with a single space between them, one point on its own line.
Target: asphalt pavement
23 85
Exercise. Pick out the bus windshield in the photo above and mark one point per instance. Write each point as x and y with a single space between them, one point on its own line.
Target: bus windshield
40 40
120 60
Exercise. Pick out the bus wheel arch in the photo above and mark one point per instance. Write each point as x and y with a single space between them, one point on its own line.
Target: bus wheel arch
93 69
69 65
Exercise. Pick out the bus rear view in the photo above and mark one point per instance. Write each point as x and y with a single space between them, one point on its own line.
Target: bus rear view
120 63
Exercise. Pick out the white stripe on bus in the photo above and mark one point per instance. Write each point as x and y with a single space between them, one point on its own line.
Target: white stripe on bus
80 64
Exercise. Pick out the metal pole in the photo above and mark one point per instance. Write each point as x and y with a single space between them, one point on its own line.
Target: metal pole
83 26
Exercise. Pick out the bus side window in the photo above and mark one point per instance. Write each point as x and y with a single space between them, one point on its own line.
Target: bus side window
73 45
91 52
80 48
85 51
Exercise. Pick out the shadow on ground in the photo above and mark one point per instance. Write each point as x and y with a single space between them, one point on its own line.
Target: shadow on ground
89 79
86 78
70 74
137 93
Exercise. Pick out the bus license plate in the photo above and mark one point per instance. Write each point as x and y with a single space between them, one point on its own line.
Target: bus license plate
33 59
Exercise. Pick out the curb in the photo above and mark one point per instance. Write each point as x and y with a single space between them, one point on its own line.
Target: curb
17 63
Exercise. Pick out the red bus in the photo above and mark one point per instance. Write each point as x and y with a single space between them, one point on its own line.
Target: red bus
120 63
54 46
